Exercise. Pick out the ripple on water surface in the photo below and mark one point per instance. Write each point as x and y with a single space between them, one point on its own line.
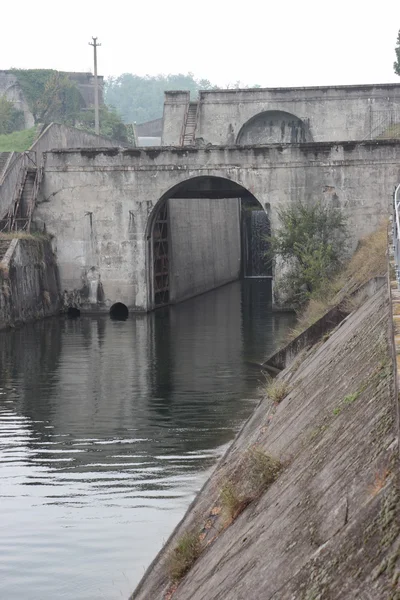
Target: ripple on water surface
107 430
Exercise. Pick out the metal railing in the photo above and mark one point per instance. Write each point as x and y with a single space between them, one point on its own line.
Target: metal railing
396 233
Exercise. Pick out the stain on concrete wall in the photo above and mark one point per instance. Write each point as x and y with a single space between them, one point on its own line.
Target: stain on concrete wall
274 127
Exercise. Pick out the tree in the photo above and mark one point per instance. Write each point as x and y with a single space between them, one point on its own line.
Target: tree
311 243
110 124
51 95
396 64
11 119
139 99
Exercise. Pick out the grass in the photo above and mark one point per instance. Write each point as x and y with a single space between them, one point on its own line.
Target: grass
277 390
368 261
391 132
347 400
18 141
23 235
184 555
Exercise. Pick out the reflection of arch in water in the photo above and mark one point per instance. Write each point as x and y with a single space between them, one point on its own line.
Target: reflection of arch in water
159 237
274 126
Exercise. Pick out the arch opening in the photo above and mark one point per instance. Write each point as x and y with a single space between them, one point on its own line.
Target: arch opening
274 127
119 312
203 233
73 312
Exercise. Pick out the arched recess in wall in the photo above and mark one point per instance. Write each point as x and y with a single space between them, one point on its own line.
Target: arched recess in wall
163 223
274 127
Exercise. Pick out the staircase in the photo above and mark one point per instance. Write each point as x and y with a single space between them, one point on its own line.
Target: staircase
4 156
20 213
190 125
4 244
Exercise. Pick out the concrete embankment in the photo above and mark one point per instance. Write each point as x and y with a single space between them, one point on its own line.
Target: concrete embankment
328 527
28 280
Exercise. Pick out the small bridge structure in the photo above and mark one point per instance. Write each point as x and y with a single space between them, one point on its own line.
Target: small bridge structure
101 204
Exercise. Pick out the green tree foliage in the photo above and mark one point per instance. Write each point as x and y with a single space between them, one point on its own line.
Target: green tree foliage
51 95
110 124
11 119
139 99
396 64
311 242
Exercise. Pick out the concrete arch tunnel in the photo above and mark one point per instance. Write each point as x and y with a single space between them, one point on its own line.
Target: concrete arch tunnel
274 126
202 233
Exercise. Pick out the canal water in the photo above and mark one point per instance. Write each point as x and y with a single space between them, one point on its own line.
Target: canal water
109 428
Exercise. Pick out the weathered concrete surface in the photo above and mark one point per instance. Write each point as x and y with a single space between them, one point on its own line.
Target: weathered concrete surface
328 527
28 282
352 112
53 136
205 245
285 356
99 203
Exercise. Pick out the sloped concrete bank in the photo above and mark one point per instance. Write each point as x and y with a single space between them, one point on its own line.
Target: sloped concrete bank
329 526
28 281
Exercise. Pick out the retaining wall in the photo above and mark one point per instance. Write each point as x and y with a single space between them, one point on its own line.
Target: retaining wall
28 282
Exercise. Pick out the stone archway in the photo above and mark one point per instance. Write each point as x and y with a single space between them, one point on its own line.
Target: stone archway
194 238
274 127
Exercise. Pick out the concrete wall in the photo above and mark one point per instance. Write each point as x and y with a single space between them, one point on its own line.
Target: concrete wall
53 136
10 88
28 282
175 108
61 136
97 203
329 113
205 245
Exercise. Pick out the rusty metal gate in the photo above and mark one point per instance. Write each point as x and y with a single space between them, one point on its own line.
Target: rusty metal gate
161 257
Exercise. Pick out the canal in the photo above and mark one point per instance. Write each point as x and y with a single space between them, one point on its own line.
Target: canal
109 428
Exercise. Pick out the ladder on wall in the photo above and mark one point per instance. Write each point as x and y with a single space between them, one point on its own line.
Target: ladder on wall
190 124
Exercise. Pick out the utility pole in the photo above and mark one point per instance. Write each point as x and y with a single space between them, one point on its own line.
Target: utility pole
96 87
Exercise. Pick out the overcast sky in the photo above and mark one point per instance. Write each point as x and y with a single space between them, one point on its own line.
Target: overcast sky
272 43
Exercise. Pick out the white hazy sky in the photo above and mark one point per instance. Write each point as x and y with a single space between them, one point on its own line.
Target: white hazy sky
272 43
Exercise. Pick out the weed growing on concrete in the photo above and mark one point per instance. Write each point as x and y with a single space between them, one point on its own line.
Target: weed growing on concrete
277 390
232 501
262 469
351 398
184 555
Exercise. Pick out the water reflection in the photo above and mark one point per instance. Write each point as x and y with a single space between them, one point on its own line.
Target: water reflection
107 429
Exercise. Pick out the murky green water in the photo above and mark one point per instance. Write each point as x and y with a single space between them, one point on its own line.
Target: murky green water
108 429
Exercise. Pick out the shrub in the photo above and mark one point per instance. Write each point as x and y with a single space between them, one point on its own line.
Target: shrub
312 244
